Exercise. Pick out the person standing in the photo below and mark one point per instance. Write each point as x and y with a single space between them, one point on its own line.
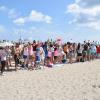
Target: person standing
30 54
25 55
70 53
42 55
3 59
38 57
8 51
79 53
16 56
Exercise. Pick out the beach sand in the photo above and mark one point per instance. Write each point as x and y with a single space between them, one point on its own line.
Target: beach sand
78 81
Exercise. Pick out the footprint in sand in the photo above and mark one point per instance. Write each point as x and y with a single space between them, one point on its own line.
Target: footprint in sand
85 99
94 86
98 86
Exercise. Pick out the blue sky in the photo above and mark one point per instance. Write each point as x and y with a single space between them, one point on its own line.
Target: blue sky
42 19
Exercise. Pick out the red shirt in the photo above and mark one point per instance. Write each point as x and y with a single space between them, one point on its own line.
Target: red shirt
98 49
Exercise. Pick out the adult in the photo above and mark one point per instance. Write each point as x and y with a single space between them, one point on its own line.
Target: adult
3 59
70 53
98 51
65 49
16 56
93 51
79 52
9 56
25 55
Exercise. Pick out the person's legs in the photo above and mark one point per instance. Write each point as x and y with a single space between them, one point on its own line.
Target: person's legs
42 61
16 62
7 64
85 55
79 59
70 60
60 59
10 61
25 60
92 56
3 63
89 57
55 59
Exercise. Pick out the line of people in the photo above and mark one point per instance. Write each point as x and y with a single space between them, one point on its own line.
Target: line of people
32 55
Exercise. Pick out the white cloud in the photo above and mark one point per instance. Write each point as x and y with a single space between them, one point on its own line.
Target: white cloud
85 15
3 8
73 8
11 12
19 21
34 16
87 3
39 17
93 25
48 19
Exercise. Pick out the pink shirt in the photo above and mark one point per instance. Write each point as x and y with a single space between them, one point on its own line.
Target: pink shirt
30 50
56 53
49 54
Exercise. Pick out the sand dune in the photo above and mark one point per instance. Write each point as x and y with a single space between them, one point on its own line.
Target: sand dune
80 81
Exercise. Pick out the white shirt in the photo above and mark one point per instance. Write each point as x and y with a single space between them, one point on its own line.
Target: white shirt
26 51
3 55
93 48
42 51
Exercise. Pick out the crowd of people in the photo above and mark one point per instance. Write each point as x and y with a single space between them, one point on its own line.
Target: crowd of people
36 54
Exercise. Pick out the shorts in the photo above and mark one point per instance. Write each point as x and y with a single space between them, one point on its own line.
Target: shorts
88 52
55 57
16 60
25 57
93 53
38 58
69 55
84 52
8 57
79 54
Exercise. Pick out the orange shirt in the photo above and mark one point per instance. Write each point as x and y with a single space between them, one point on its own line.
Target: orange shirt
65 49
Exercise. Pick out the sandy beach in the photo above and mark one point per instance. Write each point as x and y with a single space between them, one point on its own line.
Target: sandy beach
79 81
